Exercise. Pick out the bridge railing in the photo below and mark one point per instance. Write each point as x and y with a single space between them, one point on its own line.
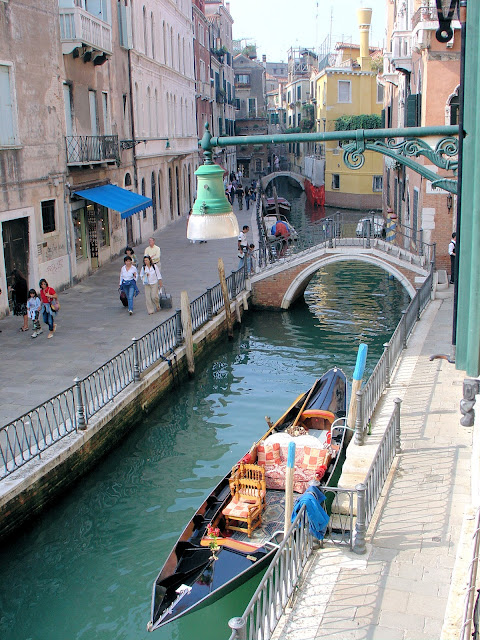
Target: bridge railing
26 437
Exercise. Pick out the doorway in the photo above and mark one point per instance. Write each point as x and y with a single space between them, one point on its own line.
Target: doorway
15 249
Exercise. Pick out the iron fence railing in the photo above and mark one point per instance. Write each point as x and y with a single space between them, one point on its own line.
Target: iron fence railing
26 437
471 611
277 585
85 149
369 395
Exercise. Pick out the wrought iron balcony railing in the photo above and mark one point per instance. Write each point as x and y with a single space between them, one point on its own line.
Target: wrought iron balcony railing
79 27
83 150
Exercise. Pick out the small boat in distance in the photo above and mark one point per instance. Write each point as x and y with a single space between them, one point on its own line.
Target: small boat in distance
236 531
284 205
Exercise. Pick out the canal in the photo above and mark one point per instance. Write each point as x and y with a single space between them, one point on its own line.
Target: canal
85 568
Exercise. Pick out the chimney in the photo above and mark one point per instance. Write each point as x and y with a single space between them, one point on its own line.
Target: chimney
364 17
264 61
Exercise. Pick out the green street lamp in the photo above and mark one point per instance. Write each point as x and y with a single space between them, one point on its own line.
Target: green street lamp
212 215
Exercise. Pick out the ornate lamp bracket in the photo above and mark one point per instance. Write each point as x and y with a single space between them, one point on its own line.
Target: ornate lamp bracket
443 156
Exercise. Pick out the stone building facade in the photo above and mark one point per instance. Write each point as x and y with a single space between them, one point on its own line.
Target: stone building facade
203 88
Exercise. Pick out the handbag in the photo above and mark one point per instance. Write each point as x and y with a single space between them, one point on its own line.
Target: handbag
54 305
165 299
123 298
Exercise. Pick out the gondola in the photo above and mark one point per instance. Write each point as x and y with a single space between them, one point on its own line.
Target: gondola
215 553
284 205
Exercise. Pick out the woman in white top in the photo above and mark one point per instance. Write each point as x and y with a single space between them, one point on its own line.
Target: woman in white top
152 281
128 276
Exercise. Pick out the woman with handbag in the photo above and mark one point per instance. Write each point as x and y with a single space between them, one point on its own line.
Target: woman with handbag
50 305
128 277
152 281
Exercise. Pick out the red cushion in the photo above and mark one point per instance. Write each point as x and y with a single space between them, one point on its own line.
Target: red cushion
313 458
268 455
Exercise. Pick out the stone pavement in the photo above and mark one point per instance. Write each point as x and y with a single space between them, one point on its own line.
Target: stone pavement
399 589
93 326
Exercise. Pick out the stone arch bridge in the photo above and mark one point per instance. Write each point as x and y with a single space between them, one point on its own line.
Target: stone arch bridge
278 285
283 174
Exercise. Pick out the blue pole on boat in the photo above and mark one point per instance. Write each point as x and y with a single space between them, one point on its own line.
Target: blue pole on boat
289 486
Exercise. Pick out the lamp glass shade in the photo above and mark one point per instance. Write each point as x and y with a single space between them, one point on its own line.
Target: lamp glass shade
212 216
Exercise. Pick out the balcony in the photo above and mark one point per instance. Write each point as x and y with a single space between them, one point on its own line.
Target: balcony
220 96
87 150
401 56
78 28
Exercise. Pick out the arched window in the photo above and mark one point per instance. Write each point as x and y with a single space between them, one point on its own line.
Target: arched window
179 54
181 117
451 108
128 180
145 32
143 193
177 185
156 112
189 187
149 112
154 201
152 31
183 55
160 181
165 55
171 48
175 115
137 109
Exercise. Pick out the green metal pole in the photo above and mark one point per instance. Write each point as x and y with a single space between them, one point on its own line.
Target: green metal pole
468 315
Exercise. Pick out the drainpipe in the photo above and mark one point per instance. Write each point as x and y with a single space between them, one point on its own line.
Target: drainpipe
134 142
67 231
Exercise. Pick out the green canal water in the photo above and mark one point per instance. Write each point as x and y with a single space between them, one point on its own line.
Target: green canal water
85 568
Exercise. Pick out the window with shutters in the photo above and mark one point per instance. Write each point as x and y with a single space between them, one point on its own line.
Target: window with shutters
413 112
8 116
335 181
377 184
344 91
379 93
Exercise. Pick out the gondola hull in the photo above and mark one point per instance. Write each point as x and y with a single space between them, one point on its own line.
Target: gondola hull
193 576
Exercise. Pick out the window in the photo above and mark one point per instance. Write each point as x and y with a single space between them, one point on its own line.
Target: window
202 71
8 124
143 193
380 93
145 30
242 78
344 91
126 109
335 181
289 95
237 104
258 165
413 115
124 24
252 107
299 92
289 121
220 127
377 183
128 180
299 117
48 216
152 33
107 129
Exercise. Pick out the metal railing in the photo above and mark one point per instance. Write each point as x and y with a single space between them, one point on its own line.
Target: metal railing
277 585
368 396
471 609
88 149
26 437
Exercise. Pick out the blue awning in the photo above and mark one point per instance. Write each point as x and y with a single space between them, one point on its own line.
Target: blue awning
125 202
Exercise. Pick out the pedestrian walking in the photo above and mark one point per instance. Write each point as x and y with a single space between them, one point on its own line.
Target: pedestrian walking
34 304
242 245
128 284
153 251
248 195
240 194
152 282
452 247
251 258
129 252
229 193
47 294
19 291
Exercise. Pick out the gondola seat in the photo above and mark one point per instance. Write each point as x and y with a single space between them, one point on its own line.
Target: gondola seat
248 499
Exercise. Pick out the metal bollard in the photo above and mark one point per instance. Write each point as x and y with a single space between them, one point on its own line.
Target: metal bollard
178 327
136 361
398 444
386 351
209 304
361 524
79 406
239 627
359 432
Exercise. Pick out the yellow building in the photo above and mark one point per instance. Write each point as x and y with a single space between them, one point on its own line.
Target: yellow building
349 88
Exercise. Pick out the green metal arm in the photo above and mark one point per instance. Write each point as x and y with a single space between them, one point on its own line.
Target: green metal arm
378 140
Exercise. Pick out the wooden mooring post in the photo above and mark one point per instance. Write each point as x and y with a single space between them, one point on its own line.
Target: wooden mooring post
223 284
187 331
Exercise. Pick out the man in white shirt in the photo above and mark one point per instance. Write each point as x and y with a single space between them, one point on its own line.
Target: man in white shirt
153 252
242 245
451 252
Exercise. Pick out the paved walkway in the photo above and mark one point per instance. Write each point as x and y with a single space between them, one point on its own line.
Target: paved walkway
399 589
93 325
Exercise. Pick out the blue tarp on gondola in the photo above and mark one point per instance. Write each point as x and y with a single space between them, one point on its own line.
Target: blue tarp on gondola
317 516
125 202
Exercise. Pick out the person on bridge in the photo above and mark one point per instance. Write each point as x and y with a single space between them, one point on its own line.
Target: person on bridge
282 233
242 245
